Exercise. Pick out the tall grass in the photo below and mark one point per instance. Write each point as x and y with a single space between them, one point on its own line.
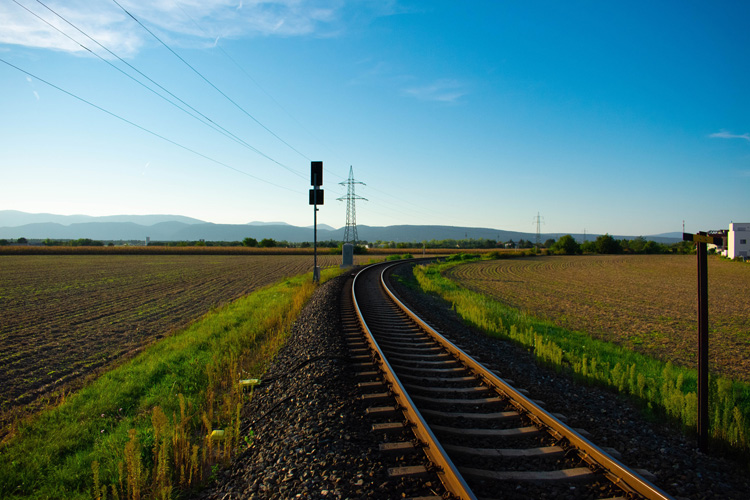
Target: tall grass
660 387
144 429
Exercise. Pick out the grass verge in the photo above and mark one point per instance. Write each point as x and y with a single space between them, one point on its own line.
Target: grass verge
660 387
145 429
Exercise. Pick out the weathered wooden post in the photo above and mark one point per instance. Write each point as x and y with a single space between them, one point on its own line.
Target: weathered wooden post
701 240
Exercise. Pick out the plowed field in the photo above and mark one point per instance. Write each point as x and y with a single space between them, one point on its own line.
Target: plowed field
66 317
647 303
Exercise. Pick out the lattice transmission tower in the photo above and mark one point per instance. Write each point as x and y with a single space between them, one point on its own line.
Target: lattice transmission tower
538 220
350 232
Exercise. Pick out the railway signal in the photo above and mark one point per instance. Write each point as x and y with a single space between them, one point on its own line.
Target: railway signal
316 198
701 241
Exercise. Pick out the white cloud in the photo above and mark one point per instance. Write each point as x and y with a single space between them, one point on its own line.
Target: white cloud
726 135
183 22
443 90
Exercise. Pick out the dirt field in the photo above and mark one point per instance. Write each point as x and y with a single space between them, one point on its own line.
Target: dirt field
647 303
66 317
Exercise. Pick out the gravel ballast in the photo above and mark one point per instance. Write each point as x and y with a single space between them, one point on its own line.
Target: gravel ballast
312 438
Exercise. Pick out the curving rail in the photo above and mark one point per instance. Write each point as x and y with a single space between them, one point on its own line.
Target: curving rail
456 408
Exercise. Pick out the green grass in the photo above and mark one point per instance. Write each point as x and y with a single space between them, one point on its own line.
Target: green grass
661 388
171 395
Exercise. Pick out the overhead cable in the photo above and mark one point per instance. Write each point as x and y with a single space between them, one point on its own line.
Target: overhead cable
208 81
202 117
151 132
255 82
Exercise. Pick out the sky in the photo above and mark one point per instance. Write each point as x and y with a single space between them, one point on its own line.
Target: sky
619 117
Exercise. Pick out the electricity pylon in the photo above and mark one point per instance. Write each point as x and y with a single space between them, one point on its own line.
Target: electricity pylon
350 232
538 220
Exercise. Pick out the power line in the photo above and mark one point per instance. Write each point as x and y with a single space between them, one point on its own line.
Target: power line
255 82
205 119
155 134
208 81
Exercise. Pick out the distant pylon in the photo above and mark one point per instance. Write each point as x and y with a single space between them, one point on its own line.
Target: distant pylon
538 221
350 232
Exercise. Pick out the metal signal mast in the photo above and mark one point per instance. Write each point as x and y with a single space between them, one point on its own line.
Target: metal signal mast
350 232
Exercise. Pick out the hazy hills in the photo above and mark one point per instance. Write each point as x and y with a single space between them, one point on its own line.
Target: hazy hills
14 218
14 224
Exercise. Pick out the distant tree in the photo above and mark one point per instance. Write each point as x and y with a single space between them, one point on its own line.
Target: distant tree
654 247
566 245
588 247
22 241
267 243
524 244
305 244
636 245
682 247
606 244
86 242
250 242
4 242
549 243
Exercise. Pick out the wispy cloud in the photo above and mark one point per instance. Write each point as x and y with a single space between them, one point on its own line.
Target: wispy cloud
185 22
727 135
31 84
443 90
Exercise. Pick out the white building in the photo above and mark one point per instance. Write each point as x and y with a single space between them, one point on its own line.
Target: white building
738 240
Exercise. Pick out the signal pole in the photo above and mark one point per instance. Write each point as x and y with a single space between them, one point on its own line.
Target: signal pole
316 198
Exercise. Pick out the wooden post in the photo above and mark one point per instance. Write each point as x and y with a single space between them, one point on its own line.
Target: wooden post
702 345
701 240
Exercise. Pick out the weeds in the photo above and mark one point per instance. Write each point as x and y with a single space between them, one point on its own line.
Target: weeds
142 430
662 388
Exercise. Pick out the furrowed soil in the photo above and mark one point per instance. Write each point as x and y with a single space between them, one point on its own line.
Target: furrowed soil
647 303
66 318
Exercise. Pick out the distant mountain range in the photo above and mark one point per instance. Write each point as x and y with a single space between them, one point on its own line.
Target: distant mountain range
14 224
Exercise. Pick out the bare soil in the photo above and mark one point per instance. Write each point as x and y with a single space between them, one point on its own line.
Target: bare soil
647 303
66 318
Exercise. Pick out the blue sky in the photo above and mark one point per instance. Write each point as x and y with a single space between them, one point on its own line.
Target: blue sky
619 117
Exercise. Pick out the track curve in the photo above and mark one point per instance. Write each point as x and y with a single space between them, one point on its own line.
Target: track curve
484 438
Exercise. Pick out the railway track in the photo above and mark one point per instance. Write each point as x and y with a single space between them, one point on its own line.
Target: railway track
484 438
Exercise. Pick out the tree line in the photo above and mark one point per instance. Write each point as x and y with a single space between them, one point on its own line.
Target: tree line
566 245
606 244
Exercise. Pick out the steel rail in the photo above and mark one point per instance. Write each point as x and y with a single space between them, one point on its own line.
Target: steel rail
448 472
619 474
